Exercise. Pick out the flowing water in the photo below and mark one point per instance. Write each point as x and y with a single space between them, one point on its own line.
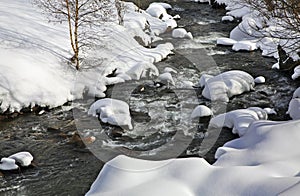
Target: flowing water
64 166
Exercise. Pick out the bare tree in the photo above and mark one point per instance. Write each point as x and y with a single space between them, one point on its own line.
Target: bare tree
284 15
81 16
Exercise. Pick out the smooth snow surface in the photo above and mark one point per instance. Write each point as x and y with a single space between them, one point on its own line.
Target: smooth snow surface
244 45
228 18
264 161
239 120
23 158
181 33
226 41
112 111
260 80
226 85
201 111
166 78
34 53
7 164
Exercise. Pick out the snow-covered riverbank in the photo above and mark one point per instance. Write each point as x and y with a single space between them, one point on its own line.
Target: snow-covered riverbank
35 69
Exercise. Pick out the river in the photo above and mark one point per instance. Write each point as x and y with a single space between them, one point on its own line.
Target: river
64 166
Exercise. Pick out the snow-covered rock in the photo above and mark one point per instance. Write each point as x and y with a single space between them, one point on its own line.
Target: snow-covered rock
201 111
170 70
23 158
7 164
226 41
187 84
166 78
226 85
294 109
112 111
270 111
276 66
260 80
181 33
239 120
264 161
228 18
244 45
296 73
164 5
142 70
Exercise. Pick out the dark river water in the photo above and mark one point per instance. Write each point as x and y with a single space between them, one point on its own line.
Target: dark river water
65 166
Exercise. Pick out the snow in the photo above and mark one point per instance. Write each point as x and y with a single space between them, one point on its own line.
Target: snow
201 111
270 111
260 80
226 41
254 164
296 73
166 78
244 45
294 105
35 69
170 70
294 108
8 164
112 111
181 33
239 120
23 158
226 85
228 18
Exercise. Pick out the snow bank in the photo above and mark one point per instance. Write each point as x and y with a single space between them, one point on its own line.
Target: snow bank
112 111
239 120
226 85
265 161
34 67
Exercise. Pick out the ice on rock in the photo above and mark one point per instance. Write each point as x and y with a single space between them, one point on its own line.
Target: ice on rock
239 120
245 46
23 158
260 80
112 111
201 111
226 41
226 85
181 33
